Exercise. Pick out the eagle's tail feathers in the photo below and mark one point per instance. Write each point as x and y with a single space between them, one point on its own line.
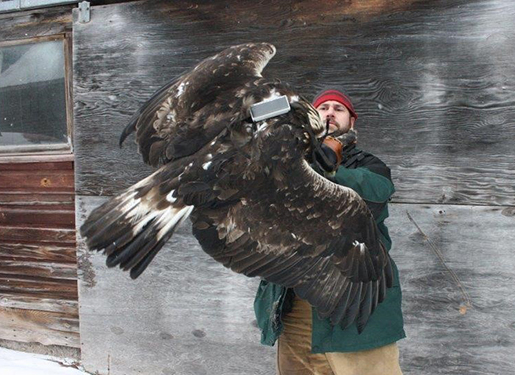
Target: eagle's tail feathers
148 237
98 224
130 229
168 232
127 254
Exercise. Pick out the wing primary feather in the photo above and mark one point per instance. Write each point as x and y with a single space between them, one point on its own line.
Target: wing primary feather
362 265
388 272
375 295
365 308
339 311
353 309
382 289
326 293
371 272
331 298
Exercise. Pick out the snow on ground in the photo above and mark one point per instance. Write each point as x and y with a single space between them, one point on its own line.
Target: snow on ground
19 363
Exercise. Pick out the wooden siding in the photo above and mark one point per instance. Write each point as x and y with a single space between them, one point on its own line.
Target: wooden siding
189 315
35 23
38 263
433 83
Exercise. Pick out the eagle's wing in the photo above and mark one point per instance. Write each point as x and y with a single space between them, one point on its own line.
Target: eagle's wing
178 126
188 112
314 236
289 226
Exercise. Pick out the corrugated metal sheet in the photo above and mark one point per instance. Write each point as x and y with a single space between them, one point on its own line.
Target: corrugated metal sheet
38 266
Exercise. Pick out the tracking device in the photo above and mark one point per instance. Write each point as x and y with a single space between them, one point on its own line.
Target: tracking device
270 108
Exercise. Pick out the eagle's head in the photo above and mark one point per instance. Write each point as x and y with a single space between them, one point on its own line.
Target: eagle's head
288 137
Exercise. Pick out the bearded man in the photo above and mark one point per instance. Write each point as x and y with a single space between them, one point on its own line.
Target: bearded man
307 344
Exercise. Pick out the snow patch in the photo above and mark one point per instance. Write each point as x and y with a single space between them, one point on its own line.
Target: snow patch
18 363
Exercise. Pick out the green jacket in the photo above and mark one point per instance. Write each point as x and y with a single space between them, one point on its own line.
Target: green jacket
371 179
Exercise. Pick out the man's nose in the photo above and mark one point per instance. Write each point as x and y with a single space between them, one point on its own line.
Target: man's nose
330 112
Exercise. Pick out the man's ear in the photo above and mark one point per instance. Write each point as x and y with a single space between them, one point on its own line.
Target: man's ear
352 121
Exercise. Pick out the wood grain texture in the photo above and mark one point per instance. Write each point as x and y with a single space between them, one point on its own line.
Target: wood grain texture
61 218
43 236
189 315
477 243
432 82
14 198
43 304
185 315
35 23
37 180
38 263
47 328
37 253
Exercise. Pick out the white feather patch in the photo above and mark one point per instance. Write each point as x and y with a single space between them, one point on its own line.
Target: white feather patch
273 94
361 246
171 217
170 198
262 126
180 90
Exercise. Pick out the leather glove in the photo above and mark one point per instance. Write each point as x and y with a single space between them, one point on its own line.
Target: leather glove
329 155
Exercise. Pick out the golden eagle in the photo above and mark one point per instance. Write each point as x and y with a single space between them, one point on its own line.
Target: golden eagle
255 203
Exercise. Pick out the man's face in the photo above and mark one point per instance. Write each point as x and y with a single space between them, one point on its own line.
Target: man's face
340 120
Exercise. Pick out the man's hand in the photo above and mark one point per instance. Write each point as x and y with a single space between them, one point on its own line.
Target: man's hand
329 155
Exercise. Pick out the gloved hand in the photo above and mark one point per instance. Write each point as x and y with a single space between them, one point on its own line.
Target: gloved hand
329 155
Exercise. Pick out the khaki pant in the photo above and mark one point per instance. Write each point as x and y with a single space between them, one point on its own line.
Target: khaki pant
294 355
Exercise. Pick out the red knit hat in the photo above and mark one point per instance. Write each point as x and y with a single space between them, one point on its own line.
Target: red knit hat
335 95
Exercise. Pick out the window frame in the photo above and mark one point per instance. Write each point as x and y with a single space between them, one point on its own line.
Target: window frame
52 149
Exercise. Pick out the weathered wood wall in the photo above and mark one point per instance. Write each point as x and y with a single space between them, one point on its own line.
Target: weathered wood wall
38 263
433 83
35 23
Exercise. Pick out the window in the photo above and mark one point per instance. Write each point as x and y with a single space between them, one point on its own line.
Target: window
33 97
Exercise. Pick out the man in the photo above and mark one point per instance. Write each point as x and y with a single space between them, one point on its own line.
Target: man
306 344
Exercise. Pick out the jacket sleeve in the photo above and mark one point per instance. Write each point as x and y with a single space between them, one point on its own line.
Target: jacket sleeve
372 181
